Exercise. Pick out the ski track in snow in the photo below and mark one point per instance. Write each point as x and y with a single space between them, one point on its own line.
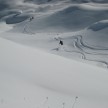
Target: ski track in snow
79 47
88 53
84 50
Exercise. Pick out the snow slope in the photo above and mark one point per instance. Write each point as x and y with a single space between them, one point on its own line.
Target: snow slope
28 75
32 78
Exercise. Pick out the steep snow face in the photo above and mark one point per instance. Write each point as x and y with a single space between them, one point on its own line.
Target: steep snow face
29 68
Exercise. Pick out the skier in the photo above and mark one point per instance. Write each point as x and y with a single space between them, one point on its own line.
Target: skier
60 45
31 18
61 42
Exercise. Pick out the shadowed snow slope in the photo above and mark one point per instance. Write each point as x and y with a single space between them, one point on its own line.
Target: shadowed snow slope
57 17
70 18
76 18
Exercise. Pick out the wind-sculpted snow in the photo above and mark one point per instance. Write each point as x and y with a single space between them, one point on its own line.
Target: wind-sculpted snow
9 13
16 19
75 18
13 16
72 18
99 25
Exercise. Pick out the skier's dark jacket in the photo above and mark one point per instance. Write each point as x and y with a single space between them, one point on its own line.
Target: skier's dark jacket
61 42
